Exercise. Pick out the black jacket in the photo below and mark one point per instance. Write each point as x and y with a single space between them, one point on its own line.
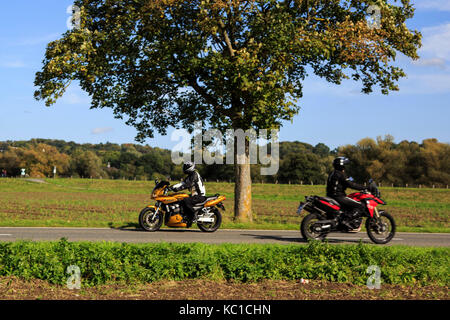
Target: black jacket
337 183
194 182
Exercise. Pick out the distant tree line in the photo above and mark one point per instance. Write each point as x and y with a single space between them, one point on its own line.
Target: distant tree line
387 162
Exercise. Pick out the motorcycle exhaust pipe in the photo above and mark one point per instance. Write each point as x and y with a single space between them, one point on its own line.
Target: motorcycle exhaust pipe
325 224
332 221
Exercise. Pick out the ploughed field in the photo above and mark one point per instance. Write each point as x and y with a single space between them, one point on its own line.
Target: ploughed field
117 203
13 288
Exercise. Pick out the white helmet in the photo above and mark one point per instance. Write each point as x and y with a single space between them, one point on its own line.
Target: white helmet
188 167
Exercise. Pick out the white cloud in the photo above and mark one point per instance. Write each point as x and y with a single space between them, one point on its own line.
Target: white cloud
74 95
440 5
33 41
102 130
425 84
71 98
12 64
430 62
436 41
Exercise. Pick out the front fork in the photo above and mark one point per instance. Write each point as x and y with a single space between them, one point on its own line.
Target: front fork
157 206
379 224
377 215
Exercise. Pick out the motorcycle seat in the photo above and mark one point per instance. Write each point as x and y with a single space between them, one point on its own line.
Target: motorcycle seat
330 200
200 204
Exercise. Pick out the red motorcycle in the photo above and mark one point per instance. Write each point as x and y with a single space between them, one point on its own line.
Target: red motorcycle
326 215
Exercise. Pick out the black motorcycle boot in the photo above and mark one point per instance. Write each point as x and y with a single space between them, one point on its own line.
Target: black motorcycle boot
195 218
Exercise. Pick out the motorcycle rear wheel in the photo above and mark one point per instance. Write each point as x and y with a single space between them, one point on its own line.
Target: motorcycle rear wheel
306 228
211 226
145 220
381 230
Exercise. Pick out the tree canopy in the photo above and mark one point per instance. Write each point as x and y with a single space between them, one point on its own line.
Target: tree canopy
233 63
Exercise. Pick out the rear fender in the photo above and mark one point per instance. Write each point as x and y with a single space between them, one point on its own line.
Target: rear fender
221 206
215 202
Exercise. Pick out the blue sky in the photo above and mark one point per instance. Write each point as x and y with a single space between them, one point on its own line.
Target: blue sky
334 115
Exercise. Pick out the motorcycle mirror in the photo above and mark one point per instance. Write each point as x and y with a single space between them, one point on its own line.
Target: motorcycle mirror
351 179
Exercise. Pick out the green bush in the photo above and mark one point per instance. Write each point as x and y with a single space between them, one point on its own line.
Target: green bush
109 262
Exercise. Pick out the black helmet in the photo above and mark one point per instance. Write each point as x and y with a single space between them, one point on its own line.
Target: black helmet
340 162
188 167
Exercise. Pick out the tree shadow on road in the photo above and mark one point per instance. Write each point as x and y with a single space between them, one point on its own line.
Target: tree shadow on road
129 226
133 226
276 238
301 240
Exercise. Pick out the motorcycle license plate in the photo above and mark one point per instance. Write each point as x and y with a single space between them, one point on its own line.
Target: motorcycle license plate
300 208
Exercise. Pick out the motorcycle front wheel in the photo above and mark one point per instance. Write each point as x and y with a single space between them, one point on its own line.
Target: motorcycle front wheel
308 230
147 223
211 226
381 230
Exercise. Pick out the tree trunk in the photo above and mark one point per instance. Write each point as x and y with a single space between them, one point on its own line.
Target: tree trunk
243 185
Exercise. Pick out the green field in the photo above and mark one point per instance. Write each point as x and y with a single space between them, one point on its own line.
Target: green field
117 203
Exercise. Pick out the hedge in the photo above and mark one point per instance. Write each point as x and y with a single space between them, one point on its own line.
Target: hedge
108 262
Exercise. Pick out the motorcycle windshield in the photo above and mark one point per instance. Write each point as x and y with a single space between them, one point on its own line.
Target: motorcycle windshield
157 190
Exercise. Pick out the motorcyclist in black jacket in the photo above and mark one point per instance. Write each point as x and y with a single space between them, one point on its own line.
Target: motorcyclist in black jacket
338 182
194 183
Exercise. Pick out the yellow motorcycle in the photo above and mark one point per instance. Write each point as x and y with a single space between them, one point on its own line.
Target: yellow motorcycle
169 210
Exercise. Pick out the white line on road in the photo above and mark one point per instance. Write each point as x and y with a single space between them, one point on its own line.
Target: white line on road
5 234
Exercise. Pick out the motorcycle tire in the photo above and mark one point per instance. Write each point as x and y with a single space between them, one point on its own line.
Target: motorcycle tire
147 225
376 227
211 226
305 228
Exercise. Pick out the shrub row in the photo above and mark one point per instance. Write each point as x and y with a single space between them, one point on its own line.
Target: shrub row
108 262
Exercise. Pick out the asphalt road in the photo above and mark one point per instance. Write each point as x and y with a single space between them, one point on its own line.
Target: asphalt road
220 236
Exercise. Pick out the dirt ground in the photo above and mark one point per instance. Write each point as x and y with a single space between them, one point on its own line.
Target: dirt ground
12 288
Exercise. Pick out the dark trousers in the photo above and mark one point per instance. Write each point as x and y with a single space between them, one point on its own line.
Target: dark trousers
189 204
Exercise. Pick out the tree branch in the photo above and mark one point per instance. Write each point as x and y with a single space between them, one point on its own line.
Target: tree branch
205 95
227 38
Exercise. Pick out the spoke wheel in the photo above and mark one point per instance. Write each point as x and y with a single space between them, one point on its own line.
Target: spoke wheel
381 230
147 223
309 231
211 226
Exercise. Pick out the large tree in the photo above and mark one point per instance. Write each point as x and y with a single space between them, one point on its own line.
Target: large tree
233 64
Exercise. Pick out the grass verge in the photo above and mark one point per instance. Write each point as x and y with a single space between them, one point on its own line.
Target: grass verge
103 263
